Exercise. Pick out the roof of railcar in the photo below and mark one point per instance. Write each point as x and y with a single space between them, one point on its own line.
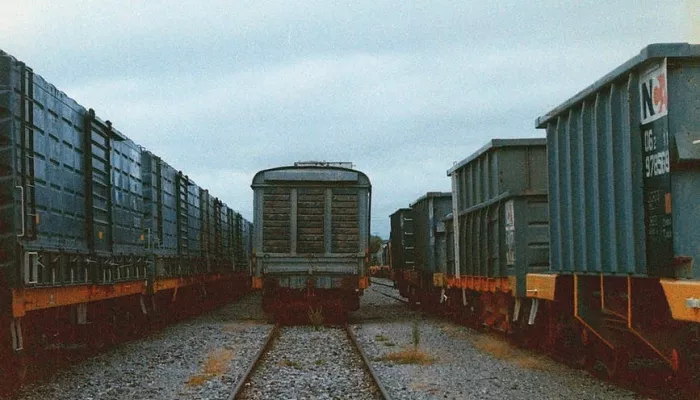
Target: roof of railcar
652 51
496 144
310 174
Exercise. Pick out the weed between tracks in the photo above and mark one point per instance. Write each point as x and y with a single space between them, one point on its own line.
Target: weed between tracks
316 317
215 365
408 356
412 355
385 340
505 351
289 363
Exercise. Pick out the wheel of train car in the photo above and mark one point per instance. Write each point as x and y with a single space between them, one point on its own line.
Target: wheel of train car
266 303
680 365
17 371
586 357
522 332
354 303
412 296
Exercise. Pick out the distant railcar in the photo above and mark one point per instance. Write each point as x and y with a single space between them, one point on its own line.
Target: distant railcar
419 234
312 237
402 246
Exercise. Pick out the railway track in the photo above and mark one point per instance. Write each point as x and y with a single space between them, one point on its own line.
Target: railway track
391 294
304 361
379 281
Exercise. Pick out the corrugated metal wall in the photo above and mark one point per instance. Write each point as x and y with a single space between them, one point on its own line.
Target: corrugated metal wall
616 206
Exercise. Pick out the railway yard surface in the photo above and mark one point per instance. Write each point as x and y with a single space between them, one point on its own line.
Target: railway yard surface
207 356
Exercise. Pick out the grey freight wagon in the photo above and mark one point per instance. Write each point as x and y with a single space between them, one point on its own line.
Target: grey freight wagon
311 239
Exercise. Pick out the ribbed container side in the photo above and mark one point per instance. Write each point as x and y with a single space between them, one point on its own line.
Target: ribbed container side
168 219
239 240
127 199
227 234
209 217
160 205
623 161
501 199
42 193
42 158
402 239
248 245
194 221
449 245
429 231
10 131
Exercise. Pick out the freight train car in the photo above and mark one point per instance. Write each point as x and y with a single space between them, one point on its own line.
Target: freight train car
429 251
401 246
96 233
499 229
624 169
587 248
311 239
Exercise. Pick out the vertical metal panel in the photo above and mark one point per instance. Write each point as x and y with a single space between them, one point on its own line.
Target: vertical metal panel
293 221
401 238
194 220
428 211
258 198
182 207
363 216
636 206
608 189
555 195
327 221
578 189
276 220
127 198
310 220
453 241
589 135
346 217
684 129
98 184
567 223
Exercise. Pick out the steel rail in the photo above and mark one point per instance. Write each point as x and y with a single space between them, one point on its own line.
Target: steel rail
256 360
391 296
380 283
365 361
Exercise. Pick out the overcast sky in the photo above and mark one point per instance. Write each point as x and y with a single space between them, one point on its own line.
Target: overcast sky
223 89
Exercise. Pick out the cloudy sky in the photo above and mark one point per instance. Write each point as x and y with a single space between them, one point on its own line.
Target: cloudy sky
222 89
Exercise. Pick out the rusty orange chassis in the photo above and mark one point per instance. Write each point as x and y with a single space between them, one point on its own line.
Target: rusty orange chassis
682 297
542 286
30 299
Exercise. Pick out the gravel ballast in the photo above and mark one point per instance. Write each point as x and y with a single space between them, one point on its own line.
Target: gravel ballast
465 364
305 363
200 358
204 358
